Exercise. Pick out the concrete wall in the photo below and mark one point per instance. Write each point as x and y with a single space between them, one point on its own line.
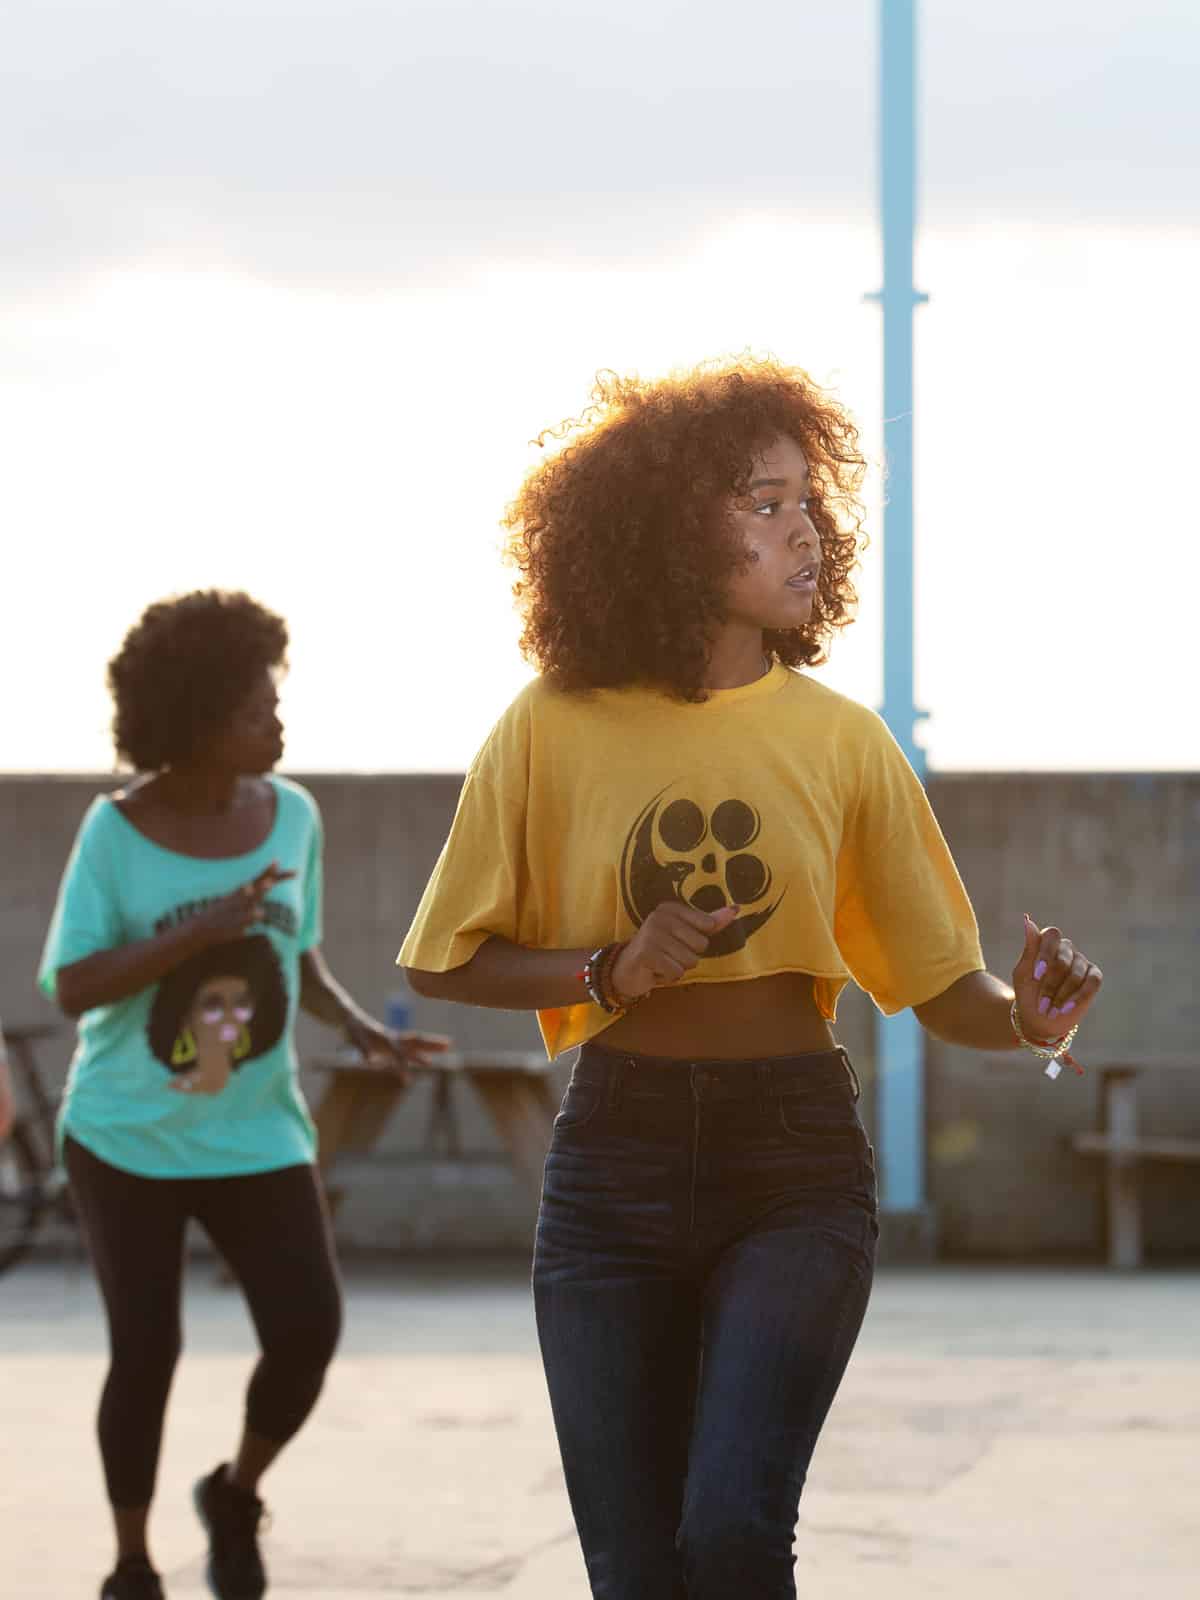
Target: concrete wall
1113 859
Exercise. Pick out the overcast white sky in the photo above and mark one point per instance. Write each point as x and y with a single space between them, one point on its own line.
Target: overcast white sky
286 289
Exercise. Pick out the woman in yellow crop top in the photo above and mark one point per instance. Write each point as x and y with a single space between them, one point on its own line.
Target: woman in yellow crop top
677 848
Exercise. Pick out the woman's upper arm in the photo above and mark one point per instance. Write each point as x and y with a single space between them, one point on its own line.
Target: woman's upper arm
86 918
479 885
66 993
423 983
446 985
904 922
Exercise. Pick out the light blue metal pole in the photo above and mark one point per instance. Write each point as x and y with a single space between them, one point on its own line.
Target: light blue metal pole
900 1054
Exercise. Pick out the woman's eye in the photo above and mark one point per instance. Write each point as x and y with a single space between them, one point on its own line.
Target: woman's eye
767 508
243 1013
212 1013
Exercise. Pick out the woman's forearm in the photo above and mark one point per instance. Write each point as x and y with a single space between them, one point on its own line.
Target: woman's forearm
323 997
508 977
974 1012
108 976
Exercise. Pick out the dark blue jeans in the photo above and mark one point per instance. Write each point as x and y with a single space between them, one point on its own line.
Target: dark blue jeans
704 1254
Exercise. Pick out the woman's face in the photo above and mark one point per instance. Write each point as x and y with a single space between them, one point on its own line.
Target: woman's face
776 588
252 741
222 1007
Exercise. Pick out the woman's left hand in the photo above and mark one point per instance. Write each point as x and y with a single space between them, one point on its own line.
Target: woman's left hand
1055 983
387 1048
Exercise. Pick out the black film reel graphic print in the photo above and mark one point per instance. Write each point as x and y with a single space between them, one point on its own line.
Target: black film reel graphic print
675 850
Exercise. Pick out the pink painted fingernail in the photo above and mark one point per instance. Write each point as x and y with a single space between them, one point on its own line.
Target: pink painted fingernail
1043 1005
1039 971
1070 1006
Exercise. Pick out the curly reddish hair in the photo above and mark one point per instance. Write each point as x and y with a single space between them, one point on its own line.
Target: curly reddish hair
623 541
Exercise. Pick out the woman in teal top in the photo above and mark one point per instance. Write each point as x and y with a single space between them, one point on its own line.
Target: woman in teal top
187 933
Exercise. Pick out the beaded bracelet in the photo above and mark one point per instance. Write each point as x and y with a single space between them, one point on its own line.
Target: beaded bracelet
597 979
590 978
1051 1052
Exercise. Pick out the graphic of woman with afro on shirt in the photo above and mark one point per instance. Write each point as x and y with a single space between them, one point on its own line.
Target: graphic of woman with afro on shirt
218 1011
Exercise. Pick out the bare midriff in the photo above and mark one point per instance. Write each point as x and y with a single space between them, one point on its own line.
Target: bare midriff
772 1016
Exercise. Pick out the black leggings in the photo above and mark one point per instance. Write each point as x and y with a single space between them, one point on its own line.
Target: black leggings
273 1230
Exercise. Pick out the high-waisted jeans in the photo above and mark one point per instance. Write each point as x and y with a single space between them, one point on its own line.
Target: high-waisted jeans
704 1254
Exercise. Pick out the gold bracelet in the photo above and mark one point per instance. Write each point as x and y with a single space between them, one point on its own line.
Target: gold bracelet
1050 1052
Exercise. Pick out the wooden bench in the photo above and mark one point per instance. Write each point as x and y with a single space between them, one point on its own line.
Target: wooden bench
516 1086
1124 1150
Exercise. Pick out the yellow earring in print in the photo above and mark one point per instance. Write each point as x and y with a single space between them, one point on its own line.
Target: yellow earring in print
241 1048
183 1051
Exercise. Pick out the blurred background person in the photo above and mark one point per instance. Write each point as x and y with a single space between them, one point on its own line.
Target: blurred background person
186 934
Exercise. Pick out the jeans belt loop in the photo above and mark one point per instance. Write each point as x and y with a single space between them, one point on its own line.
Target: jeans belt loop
616 1072
763 1074
849 1066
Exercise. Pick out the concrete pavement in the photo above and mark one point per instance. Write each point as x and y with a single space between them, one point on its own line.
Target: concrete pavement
1030 1433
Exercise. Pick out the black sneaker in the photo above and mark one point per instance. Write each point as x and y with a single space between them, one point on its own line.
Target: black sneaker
134 1579
231 1517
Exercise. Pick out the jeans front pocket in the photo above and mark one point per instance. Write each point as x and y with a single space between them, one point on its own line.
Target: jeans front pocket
827 1143
822 1124
579 1105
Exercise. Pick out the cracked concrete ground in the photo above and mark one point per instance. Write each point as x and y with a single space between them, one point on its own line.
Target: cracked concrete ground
999 1433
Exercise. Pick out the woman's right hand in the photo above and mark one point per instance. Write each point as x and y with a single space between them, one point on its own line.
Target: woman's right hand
109 976
234 914
670 942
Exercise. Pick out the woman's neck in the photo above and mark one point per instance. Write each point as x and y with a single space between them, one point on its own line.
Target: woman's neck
198 791
736 658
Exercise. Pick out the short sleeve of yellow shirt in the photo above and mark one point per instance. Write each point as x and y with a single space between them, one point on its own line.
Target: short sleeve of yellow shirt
582 812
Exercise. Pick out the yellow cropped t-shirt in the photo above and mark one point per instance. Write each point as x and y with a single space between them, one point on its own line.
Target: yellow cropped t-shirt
582 812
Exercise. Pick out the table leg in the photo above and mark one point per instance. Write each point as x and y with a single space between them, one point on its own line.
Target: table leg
1122 1178
523 1109
352 1114
333 1118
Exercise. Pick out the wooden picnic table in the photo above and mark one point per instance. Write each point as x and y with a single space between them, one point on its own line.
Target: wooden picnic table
1118 1141
516 1086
